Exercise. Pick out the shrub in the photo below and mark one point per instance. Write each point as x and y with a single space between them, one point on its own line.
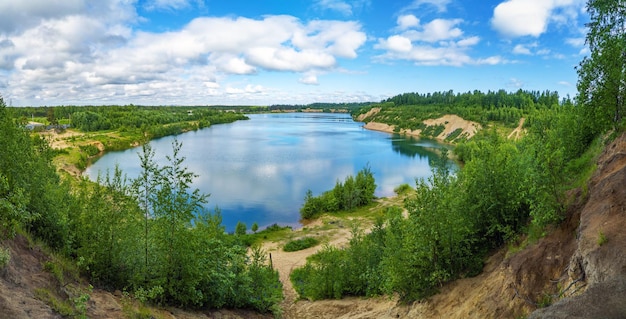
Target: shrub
402 189
5 257
300 244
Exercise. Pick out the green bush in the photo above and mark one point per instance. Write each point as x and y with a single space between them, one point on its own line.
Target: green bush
91 150
300 244
402 189
5 257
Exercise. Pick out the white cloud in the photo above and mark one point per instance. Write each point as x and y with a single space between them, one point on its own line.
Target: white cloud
441 5
310 79
407 21
515 18
167 4
521 49
438 42
575 42
468 41
335 5
397 43
347 8
80 57
436 30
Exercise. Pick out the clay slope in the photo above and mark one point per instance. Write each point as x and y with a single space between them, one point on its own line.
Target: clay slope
597 270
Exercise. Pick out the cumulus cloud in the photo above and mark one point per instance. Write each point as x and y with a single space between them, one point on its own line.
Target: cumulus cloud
407 21
397 43
515 18
77 54
438 42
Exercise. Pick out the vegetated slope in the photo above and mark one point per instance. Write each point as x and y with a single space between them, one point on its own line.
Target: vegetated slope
596 274
582 262
26 286
452 127
18 280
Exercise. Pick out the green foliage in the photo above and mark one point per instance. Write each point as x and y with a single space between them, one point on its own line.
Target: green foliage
31 195
602 238
5 257
300 244
494 187
254 227
352 193
241 229
62 307
409 110
601 76
90 149
402 189
433 130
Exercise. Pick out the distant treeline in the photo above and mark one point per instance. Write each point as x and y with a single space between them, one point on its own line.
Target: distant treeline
520 99
409 110
98 118
321 106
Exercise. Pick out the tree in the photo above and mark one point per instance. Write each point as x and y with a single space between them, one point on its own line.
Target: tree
174 208
602 75
254 227
51 117
240 229
143 191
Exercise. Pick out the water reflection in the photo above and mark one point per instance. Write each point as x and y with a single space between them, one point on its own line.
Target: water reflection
259 170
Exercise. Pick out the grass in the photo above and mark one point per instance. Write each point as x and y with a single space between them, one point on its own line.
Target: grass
602 238
5 257
62 307
272 233
300 244
402 189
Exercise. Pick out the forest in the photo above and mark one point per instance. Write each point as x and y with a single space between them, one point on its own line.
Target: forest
150 237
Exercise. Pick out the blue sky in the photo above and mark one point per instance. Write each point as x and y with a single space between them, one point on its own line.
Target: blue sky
207 52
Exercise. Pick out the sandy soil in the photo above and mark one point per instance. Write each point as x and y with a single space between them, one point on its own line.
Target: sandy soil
61 140
451 123
518 131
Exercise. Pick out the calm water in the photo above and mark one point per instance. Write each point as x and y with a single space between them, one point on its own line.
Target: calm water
259 170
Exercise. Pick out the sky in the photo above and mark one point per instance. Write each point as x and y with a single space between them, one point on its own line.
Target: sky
264 52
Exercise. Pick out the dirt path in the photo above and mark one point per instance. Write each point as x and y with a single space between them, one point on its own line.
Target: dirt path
517 132
286 262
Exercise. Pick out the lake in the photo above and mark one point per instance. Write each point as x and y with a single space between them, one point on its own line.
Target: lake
259 170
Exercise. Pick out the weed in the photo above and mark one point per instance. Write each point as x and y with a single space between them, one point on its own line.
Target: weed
602 238
5 257
300 244
61 307
544 301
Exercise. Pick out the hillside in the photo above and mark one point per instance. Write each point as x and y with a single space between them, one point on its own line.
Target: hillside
451 127
578 268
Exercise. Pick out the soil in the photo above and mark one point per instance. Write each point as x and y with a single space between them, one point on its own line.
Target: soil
577 271
450 122
518 131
